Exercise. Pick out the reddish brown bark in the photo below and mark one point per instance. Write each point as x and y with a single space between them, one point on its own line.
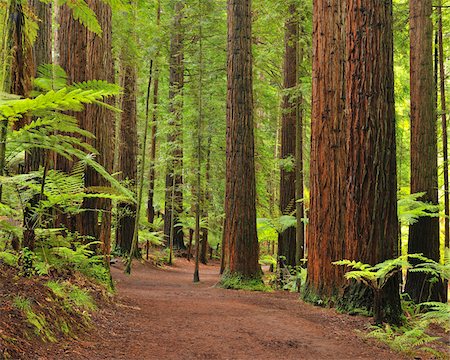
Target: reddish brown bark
423 235
87 56
287 239
371 206
174 179
327 169
128 148
71 44
241 249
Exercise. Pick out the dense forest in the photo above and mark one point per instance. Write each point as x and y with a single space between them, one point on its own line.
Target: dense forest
296 151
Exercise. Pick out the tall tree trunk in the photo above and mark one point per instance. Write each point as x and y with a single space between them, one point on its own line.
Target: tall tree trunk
241 248
299 211
128 148
42 54
444 127
206 205
151 189
287 239
327 168
71 46
371 206
198 184
174 179
21 72
98 121
423 235
444 140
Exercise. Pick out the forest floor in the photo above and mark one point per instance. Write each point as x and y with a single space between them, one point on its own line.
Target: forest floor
161 314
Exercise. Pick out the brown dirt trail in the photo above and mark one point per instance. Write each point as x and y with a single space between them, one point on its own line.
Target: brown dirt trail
161 314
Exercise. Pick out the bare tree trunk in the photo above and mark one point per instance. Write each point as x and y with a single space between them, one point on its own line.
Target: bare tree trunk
326 229
241 248
371 206
444 126
199 147
128 148
287 239
151 190
424 169
71 46
207 192
444 139
174 179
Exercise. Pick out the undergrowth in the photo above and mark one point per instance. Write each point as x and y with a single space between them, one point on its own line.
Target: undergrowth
239 282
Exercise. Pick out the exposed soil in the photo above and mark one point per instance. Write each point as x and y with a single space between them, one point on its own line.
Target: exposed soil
161 314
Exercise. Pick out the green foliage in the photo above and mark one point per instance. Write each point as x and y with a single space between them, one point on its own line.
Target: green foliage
410 208
238 282
402 339
267 259
436 313
8 258
269 228
296 279
38 321
377 276
72 296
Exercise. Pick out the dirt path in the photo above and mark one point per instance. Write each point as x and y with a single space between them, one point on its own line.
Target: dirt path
163 315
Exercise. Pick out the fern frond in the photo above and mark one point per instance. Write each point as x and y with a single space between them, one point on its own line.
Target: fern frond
84 14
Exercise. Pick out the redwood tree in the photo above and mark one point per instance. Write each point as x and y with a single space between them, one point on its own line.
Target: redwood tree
371 231
174 179
287 239
326 230
423 235
240 249
86 55
128 147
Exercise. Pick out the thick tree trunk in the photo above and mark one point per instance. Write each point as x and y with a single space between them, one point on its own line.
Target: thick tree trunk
371 206
423 235
327 169
42 54
128 148
241 248
174 179
71 44
287 239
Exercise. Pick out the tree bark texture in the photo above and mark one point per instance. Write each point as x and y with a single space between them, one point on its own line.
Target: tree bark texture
287 239
371 206
174 179
128 147
71 44
328 162
423 235
241 248
42 54
87 56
